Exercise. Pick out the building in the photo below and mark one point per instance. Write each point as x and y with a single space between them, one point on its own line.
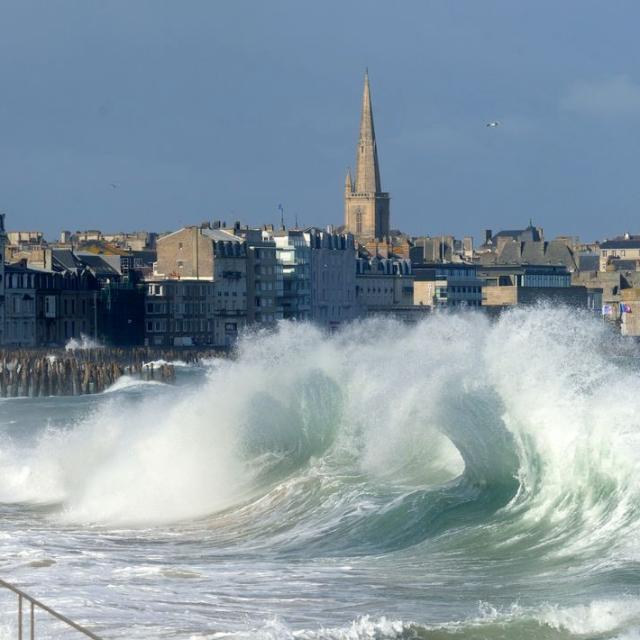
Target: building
383 285
198 292
185 313
293 254
137 265
397 245
508 285
623 248
121 314
333 277
48 308
136 241
264 276
366 206
526 247
446 284
88 236
610 283
20 307
20 239
428 249
627 312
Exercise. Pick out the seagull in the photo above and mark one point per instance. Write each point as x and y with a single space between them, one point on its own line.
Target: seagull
493 124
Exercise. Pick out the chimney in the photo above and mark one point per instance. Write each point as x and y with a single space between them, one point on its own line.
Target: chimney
488 234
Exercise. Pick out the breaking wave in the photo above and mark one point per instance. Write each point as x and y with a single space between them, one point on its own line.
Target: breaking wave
455 437
380 420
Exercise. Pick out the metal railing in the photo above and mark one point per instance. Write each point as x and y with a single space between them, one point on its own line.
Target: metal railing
34 604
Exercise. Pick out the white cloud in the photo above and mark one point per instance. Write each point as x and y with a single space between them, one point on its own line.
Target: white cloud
615 96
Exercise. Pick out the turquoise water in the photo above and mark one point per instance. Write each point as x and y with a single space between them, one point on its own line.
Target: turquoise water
452 479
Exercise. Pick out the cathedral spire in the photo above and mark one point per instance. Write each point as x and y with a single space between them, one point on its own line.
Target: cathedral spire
366 206
367 178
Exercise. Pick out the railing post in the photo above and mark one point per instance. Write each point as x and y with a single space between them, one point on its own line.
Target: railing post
22 596
19 617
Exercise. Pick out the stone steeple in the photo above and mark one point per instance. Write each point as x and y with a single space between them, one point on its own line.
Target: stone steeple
367 169
366 205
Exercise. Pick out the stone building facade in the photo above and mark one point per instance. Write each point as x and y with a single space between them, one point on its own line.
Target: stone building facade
333 278
383 285
48 308
198 292
624 248
508 285
185 313
264 276
447 284
366 206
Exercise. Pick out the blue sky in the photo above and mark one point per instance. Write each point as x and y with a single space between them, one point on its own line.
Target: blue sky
222 110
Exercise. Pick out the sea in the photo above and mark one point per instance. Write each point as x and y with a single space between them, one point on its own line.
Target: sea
457 478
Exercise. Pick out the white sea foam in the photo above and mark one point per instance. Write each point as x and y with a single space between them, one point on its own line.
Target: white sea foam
85 342
600 618
160 362
376 397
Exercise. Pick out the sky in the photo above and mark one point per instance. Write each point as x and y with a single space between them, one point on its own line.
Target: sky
147 114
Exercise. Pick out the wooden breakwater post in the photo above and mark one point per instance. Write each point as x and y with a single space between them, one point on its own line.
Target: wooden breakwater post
58 372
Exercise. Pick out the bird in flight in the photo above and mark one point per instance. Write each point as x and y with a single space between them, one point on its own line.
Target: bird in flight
493 124
113 185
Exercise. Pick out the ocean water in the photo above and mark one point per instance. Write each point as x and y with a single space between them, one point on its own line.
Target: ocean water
459 478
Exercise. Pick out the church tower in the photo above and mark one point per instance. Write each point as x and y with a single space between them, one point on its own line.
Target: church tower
366 206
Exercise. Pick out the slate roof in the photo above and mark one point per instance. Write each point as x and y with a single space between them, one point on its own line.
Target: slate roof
632 243
588 262
98 266
221 235
524 235
554 252
66 259
625 265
